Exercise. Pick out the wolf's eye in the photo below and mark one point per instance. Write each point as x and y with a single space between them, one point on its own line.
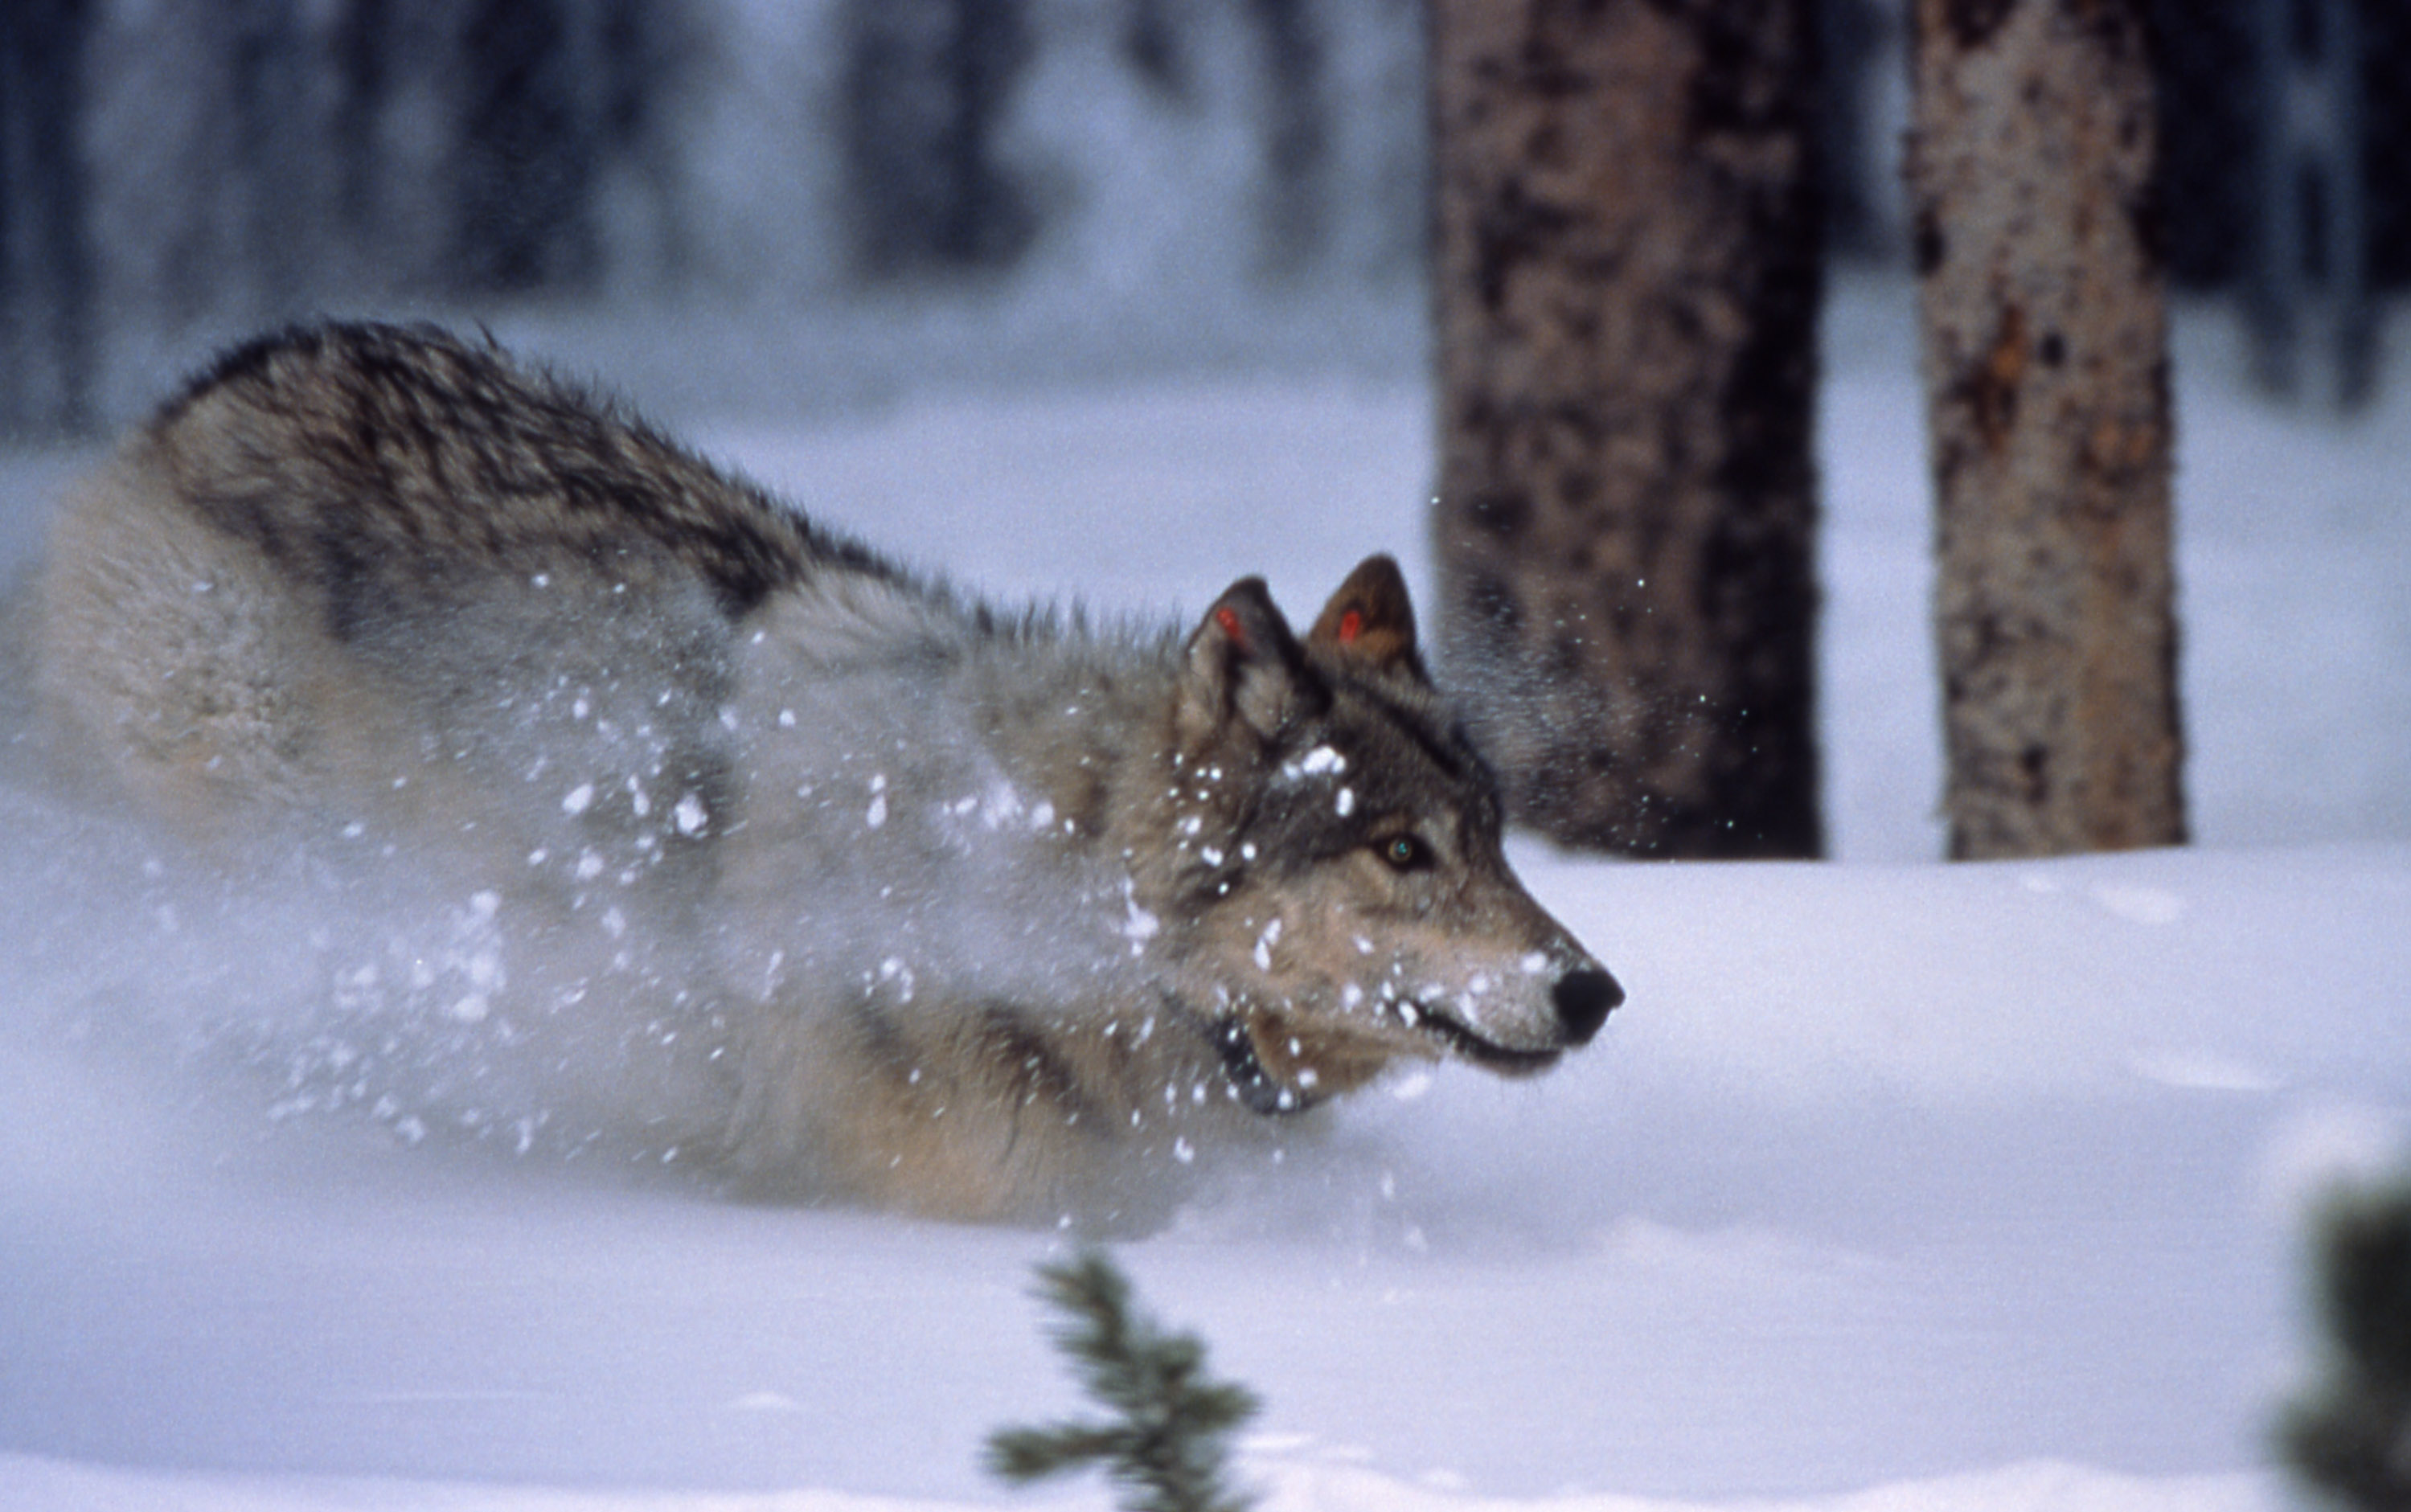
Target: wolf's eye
1404 853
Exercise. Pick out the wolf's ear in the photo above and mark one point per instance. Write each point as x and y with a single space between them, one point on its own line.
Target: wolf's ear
1243 662
1370 623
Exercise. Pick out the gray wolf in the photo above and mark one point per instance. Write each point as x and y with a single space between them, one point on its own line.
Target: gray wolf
971 913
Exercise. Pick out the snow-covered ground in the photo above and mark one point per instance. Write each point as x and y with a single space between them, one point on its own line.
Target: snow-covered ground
1896 1184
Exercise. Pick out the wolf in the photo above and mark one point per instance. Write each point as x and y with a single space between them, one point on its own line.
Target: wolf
967 913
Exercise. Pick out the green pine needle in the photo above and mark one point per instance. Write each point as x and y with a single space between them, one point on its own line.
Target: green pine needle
2351 1437
1164 1446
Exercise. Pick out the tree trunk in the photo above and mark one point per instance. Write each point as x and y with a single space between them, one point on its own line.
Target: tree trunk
2046 373
1626 278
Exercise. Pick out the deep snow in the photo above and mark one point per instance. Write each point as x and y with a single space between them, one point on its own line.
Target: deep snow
1895 1183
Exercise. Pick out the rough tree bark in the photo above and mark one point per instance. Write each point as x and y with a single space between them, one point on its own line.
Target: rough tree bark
1626 276
2046 374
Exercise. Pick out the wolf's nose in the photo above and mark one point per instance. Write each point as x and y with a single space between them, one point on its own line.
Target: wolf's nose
1584 1001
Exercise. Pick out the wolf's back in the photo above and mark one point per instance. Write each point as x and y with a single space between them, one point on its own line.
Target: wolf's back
350 452
320 554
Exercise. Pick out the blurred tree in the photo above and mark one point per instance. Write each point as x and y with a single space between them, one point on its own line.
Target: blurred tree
2046 370
1152 44
2310 241
537 136
524 181
365 76
2352 1438
1855 41
392 81
649 50
1627 279
2208 123
364 80
926 84
280 251
47 335
1297 144
2385 28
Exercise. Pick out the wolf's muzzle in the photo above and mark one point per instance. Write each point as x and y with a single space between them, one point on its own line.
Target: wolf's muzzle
1584 999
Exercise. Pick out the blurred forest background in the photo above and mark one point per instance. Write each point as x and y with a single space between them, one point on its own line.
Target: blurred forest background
920 186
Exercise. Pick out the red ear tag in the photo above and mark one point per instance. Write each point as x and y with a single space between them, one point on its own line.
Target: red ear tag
1351 625
1228 618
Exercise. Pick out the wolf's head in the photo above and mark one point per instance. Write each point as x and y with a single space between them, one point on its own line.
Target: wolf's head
1333 891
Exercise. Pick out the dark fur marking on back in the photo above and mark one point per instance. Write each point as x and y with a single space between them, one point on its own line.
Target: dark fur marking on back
367 392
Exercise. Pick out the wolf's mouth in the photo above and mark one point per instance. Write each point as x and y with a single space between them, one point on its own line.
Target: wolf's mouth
1487 1054
1259 1092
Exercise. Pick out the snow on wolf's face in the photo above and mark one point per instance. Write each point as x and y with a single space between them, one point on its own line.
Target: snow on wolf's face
1334 862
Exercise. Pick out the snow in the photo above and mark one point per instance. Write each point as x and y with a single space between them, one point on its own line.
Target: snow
1895 1184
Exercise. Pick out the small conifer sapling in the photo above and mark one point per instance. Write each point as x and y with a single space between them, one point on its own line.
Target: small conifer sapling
2351 1437
1164 1446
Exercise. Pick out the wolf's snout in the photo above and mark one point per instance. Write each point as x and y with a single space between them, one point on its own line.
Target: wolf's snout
1584 999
